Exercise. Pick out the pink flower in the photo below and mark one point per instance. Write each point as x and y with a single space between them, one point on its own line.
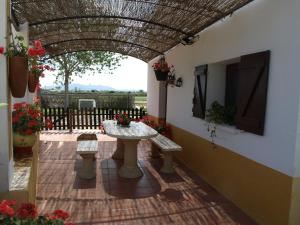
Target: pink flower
37 44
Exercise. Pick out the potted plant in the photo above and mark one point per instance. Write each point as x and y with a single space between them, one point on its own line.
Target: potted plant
123 119
161 69
18 53
160 127
28 214
35 69
218 114
26 120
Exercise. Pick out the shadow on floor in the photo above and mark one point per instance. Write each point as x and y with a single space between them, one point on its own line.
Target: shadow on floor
117 186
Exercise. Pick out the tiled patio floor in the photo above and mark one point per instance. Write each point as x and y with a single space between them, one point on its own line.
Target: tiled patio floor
155 198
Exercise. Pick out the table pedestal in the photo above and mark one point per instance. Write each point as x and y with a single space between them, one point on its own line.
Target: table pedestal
119 153
87 171
130 167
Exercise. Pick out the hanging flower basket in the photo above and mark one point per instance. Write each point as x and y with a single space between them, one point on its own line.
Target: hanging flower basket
161 75
161 69
18 75
33 80
18 53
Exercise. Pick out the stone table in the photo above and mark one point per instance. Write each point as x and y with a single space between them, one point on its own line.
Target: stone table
129 138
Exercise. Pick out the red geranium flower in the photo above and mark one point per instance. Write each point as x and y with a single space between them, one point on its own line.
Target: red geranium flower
5 208
37 44
9 202
49 124
41 51
1 50
32 52
60 214
27 210
28 132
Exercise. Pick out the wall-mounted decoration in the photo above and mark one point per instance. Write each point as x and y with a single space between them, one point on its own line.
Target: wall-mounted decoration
179 82
161 69
199 100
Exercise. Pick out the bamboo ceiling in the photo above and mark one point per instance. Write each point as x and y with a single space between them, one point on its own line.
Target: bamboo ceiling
140 28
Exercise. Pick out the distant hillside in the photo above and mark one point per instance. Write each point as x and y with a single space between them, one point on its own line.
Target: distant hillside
81 87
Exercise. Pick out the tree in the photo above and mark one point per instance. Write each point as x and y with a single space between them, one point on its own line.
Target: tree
74 64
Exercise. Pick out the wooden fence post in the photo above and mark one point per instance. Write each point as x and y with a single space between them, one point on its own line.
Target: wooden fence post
70 119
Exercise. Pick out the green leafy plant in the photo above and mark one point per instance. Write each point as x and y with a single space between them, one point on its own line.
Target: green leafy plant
17 47
26 118
218 114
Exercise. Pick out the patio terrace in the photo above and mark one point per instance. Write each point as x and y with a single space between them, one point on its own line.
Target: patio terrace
155 198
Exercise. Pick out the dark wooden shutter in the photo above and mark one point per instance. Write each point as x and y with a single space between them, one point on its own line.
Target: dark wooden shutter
199 100
252 92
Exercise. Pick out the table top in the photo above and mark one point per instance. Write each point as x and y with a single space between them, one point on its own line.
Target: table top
136 130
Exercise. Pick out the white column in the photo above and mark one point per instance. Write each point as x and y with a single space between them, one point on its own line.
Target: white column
162 101
5 124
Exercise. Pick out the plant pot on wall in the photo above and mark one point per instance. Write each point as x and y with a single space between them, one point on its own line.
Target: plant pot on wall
23 143
161 75
18 76
33 80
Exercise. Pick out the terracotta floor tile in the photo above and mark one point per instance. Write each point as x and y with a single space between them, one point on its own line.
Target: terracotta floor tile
155 198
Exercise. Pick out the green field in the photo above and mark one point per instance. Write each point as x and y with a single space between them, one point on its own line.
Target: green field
140 101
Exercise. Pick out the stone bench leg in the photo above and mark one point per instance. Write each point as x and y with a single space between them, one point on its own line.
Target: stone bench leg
168 163
154 151
119 153
87 171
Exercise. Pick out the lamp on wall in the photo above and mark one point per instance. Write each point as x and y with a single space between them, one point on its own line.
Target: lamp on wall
188 40
179 82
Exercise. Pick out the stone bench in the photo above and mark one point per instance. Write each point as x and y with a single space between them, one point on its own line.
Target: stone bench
87 147
167 147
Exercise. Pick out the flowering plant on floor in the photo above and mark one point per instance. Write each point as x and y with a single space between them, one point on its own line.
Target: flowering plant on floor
27 214
123 119
26 118
160 127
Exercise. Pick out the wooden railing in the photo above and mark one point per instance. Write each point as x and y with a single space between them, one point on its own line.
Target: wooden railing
85 118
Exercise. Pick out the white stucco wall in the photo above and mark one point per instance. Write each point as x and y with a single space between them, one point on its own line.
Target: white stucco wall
5 165
262 25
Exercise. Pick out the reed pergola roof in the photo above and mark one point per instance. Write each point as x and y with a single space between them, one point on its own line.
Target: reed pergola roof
140 28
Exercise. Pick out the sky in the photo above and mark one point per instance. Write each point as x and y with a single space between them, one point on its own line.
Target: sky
131 75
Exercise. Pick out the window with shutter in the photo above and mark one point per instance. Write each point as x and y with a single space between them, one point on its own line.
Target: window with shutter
252 92
199 100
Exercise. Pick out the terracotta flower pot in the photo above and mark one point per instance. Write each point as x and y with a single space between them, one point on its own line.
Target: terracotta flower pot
18 76
33 80
161 75
23 143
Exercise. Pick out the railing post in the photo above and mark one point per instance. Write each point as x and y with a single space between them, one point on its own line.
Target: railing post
70 119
